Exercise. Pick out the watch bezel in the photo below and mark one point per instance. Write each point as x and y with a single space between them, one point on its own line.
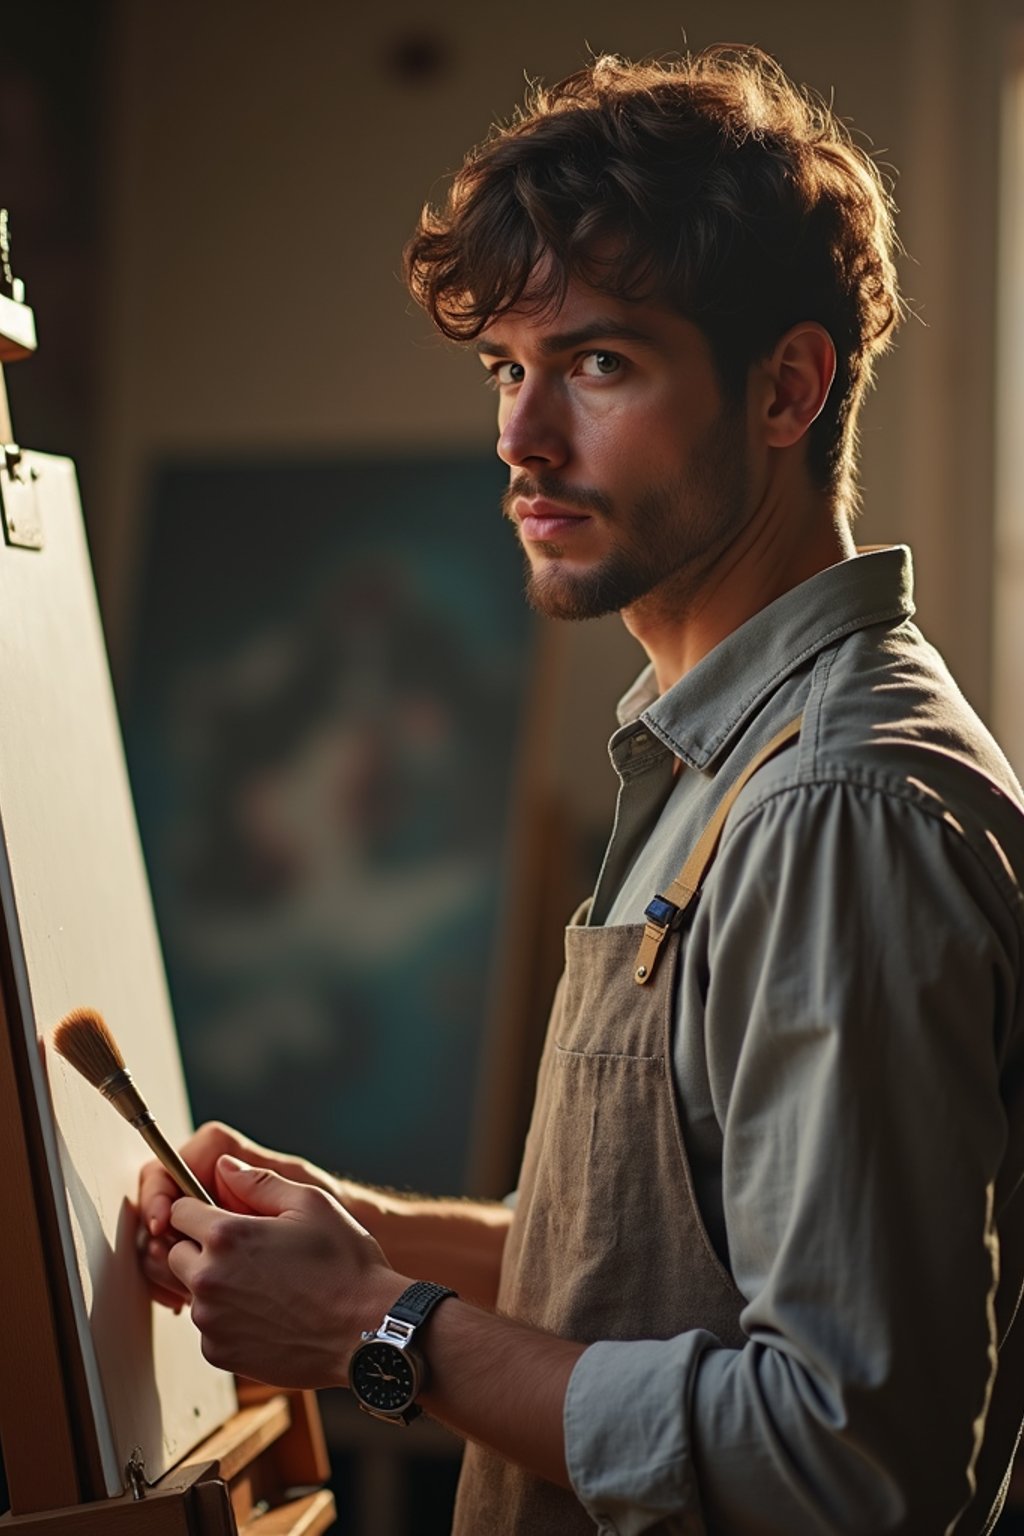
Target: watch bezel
406 1316
408 1409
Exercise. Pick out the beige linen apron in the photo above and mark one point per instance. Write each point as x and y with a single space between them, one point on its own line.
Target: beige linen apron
607 1240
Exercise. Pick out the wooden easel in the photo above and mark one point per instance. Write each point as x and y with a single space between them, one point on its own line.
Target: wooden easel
259 1473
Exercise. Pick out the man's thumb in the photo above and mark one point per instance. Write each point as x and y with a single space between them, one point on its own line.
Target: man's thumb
253 1189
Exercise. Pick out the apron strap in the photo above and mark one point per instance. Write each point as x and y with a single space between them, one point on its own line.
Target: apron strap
665 913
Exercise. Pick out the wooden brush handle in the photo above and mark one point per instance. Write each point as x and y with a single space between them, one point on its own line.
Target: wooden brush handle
179 1171
120 1091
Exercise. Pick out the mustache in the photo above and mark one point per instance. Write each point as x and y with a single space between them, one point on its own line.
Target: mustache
547 488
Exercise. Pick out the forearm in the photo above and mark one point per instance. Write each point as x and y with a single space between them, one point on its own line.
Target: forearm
455 1242
502 1384
491 1380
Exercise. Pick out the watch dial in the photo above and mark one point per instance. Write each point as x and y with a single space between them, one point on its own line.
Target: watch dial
383 1377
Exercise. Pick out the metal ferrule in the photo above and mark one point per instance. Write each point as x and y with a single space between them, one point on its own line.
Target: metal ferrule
126 1098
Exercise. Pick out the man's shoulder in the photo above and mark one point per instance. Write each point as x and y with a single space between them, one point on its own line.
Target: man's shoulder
882 707
884 701
888 714
884 721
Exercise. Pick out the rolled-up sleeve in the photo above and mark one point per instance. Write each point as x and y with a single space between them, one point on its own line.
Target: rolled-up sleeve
860 957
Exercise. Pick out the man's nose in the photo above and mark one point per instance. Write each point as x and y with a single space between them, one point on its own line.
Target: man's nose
532 431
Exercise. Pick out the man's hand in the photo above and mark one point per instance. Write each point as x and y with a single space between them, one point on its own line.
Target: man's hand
158 1192
459 1242
283 1282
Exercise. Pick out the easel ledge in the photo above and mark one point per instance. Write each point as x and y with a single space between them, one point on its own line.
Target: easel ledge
252 1477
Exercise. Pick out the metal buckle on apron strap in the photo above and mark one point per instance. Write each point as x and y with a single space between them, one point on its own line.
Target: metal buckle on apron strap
663 914
663 917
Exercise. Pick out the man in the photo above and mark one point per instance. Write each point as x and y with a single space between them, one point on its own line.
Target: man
769 1237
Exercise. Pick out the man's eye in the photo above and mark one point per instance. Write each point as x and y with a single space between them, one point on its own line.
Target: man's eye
506 373
600 364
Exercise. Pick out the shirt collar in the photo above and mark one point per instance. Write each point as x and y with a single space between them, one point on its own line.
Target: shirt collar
698 715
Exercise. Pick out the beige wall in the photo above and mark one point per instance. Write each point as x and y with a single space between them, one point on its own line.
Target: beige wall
1007 693
265 169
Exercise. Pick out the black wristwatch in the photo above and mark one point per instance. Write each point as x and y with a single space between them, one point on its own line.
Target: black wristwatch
386 1373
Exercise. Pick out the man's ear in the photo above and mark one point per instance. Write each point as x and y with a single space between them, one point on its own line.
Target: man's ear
793 383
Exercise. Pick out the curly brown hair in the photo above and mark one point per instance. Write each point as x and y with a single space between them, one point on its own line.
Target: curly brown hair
712 184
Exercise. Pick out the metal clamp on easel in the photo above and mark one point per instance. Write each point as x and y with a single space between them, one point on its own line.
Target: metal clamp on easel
22 525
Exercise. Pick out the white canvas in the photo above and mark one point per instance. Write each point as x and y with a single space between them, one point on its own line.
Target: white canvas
77 907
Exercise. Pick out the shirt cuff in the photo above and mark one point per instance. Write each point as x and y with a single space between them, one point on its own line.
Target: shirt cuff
627 1440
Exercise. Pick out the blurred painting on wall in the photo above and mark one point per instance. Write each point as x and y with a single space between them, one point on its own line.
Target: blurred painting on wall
328 685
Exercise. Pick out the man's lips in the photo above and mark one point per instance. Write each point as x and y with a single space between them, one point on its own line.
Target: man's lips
544 520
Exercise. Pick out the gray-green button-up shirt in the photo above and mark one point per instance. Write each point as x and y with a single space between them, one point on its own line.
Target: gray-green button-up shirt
849 1066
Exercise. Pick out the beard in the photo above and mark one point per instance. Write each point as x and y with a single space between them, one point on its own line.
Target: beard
670 535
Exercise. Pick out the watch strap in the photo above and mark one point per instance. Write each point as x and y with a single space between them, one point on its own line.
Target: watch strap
417 1302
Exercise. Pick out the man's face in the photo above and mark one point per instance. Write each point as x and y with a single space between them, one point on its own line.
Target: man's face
628 468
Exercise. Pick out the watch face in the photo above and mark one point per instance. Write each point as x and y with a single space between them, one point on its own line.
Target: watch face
382 1377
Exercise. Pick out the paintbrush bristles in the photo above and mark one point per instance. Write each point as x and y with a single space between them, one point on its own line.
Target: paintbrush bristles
83 1039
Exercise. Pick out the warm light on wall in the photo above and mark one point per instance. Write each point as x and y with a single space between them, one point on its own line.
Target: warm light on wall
1008 582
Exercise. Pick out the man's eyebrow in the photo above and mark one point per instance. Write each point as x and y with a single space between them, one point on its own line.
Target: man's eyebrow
601 329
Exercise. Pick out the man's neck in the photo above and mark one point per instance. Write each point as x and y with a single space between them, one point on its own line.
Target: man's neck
683 619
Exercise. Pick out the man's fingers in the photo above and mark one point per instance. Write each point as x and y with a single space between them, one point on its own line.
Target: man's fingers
174 1301
157 1190
229 1195
158 1213
164 1288
156 1193
258 1191
192 1218
184 1260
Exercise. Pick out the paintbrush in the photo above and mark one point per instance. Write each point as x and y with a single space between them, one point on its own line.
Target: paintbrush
83 1039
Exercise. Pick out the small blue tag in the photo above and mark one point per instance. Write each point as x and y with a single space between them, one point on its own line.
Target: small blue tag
661 911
